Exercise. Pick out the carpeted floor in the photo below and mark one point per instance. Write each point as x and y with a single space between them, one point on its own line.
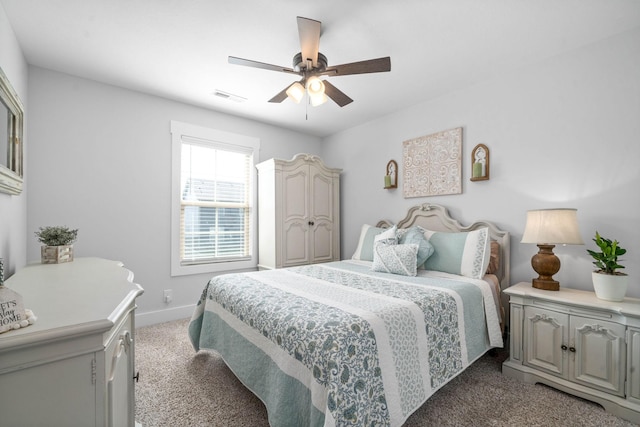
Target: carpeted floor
179 387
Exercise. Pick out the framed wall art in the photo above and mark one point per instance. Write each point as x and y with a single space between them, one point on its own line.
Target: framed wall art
432 164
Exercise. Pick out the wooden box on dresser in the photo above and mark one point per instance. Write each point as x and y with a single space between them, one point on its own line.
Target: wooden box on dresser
298 212
577 343
75 365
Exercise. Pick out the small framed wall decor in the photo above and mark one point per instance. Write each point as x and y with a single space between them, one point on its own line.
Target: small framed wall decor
480 163
391 176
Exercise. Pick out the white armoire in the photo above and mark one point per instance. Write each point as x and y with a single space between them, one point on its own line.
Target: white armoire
298 212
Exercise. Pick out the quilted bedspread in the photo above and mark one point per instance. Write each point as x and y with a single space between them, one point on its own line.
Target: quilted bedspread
337 344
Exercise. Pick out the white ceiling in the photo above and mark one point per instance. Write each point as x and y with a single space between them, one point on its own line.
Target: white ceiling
178 49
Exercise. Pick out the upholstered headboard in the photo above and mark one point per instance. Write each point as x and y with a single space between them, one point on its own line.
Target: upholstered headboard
436 218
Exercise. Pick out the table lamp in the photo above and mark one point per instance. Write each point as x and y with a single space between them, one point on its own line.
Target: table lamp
547 228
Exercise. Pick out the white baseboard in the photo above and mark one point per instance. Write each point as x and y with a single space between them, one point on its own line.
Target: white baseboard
161 316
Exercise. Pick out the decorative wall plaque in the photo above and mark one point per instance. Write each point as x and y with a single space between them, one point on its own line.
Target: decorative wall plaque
432 164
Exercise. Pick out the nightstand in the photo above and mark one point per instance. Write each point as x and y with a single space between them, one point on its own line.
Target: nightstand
577 343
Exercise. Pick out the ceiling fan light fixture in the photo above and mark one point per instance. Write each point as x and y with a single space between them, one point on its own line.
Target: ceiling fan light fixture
318 99
315 89
315 86
296 92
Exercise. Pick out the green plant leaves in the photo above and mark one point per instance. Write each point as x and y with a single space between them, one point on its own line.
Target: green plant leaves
56 236
607 259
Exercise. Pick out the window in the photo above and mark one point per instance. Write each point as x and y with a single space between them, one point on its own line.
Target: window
213 199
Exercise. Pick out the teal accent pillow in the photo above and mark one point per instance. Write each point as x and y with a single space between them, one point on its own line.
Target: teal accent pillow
466 254
416 235
395 259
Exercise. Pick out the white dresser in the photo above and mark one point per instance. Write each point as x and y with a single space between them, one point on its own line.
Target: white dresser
298 212
75 365
577 343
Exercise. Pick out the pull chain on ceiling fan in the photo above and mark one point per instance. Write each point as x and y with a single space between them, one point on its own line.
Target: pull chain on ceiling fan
311 64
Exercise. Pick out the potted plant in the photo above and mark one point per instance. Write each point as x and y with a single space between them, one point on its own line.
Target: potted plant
57 244
609 284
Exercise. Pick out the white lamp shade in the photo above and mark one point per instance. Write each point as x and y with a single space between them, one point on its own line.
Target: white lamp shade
295 92
552 226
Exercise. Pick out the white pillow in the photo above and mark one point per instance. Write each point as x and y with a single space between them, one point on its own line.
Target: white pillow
389 236
364 251
466 254
395 259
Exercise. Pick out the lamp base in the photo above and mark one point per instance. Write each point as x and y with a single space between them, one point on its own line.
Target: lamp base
547 285
546 264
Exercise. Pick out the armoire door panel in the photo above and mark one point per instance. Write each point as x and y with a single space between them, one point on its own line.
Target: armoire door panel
322 242
322 202
295 196
296 244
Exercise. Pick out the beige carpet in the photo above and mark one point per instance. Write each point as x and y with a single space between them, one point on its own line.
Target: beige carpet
179 387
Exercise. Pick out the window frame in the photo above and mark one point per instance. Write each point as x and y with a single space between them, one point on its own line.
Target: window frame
217 138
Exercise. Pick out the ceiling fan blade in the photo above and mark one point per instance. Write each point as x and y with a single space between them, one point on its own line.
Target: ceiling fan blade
378 65
336 94
280 96
309 31
256 64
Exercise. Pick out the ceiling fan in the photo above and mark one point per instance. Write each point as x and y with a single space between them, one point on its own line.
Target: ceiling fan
311 64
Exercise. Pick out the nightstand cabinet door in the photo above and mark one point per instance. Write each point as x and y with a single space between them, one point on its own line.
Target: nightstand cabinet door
546 332
633 365
599 357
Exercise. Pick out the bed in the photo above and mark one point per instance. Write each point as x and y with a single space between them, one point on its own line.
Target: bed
364 341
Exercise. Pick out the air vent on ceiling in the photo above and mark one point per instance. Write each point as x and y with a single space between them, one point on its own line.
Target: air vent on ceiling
229 96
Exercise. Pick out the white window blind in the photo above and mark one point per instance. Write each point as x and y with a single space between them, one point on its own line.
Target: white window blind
215 221
215 206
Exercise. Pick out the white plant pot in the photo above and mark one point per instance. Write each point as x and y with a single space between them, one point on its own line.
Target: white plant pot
610 287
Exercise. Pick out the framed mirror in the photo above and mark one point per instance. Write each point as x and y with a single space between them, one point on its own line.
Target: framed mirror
11 131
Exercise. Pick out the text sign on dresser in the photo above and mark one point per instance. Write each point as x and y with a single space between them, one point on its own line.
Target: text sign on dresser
12 311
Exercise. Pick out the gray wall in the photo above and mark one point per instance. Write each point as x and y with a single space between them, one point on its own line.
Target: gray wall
562 133
13 209
100 161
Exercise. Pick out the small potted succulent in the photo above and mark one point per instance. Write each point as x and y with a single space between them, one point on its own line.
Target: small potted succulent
609 284
57 244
